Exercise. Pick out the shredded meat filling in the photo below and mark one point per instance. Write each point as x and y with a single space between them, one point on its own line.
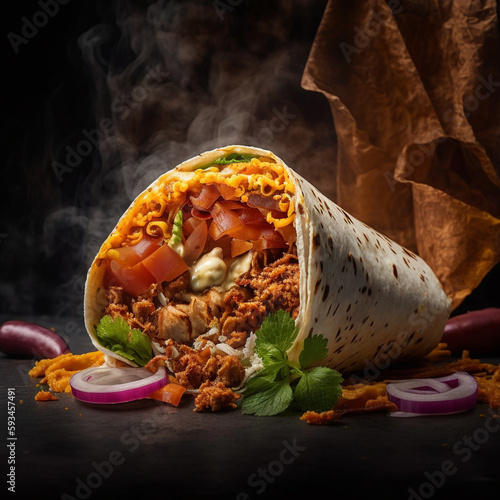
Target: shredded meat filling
174 317
215 396
168 311
271 285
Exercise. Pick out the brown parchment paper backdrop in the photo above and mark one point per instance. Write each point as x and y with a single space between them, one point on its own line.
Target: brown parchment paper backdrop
414 88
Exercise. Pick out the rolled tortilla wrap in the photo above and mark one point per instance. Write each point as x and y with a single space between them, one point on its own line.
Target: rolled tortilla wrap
370 297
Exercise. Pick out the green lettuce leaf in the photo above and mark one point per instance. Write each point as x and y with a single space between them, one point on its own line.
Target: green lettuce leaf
228 159
117 336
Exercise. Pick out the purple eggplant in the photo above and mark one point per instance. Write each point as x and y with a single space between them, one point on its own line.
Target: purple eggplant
28 340
476 331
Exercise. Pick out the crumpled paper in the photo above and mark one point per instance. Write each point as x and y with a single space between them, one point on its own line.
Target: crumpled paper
414 88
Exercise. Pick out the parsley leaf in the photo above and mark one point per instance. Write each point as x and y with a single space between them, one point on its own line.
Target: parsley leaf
318 389
117 336
279 330
314 350
272 401
281 382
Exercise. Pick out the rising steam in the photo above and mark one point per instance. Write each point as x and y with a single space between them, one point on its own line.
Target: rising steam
174 79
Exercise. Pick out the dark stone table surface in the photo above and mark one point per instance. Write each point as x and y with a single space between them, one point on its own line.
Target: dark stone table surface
67 449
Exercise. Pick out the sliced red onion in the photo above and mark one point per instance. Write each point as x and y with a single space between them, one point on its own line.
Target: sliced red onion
106 385
441 396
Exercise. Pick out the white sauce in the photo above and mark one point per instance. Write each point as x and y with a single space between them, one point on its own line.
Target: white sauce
208 271
211 270
239 266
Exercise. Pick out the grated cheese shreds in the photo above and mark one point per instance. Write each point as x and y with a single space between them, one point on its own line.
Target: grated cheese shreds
151 208
45 396
370 396
57 371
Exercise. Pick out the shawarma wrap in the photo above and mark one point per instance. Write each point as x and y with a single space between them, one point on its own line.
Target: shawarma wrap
212 247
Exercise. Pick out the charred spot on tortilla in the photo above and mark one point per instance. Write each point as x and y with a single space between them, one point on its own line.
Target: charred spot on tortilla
316 240
395 271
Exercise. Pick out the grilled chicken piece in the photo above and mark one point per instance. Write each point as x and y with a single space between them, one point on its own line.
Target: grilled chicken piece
184 322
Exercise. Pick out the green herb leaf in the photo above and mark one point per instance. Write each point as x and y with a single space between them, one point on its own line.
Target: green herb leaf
281 382
314 350
117 336
318 389
279 330
268 352
228 159
261 383
234 158
176 237
272 401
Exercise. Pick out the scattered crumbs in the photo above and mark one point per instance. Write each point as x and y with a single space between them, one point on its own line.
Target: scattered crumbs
45 396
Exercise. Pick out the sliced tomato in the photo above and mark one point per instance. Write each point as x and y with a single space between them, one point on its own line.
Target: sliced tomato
288 233
190 225
130 255
227 192
170 393
195 243
200 214
260 201
252 232
231 205
224 243
250 215
269 238
164 264
124 256
207 197
134 280
224 220
275 242
146 246
239 247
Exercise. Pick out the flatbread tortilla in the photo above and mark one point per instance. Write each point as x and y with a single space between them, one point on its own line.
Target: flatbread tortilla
370 297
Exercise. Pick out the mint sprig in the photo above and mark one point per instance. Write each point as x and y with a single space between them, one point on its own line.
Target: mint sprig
282 382
117 336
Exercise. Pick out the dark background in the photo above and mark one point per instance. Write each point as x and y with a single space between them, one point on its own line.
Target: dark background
227 78
228 68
